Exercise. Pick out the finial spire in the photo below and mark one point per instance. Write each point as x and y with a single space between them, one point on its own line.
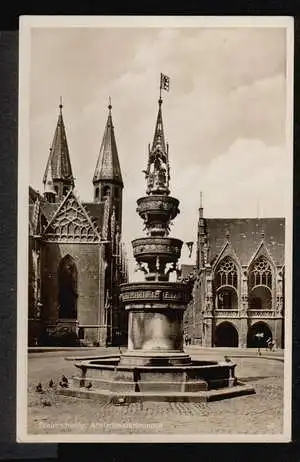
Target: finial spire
201 200
60 104
109 104
227 234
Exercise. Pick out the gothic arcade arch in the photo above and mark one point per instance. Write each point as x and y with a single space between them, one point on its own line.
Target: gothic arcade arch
226 335
67 288
258 335
260 284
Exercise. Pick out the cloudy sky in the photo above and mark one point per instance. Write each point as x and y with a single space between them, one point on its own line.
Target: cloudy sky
224 117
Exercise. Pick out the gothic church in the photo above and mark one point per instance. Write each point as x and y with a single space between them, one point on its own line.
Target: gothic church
76 256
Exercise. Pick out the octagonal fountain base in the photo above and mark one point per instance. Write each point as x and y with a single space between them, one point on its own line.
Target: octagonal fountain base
110 377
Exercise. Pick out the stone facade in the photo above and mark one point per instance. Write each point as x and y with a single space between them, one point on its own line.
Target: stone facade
76 257
238 283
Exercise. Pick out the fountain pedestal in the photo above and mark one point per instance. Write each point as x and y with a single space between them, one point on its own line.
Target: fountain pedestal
155 323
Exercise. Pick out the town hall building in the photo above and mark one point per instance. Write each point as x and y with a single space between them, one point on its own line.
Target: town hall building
76 256
238 294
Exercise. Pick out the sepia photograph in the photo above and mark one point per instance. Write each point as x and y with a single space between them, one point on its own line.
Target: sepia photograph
155 229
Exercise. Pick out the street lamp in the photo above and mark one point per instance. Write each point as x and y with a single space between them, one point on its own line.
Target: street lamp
189 245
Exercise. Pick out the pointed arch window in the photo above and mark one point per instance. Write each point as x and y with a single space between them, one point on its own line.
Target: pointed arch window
67 285
260 273
226 274
225 283
105 192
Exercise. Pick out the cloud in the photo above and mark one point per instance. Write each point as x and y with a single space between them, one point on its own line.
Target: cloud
224 116
233 184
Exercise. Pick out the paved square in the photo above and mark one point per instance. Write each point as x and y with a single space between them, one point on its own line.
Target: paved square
262 413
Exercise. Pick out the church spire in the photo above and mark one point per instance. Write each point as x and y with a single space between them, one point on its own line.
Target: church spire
108 166
202 237
58 168
107 180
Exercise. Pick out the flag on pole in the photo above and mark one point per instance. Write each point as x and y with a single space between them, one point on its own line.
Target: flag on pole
164 82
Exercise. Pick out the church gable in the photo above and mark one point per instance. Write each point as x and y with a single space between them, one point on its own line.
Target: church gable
227 251
261 251
71 223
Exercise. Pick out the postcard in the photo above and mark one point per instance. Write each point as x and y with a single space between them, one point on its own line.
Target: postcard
155 229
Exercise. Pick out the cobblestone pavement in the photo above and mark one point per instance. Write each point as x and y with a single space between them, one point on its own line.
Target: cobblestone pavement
49 413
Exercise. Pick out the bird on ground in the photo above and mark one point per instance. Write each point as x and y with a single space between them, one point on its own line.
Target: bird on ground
64 382
227 359
64 379
89 385
46 403
39 388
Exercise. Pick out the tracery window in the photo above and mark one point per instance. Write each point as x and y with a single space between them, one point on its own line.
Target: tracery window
261 273
226 274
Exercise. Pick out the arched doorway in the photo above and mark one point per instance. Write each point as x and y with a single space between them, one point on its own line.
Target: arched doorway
226 335
258 334
67 288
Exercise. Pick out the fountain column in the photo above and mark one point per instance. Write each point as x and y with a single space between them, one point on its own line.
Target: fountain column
156 306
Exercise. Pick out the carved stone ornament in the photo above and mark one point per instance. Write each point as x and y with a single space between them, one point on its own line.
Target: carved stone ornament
72 224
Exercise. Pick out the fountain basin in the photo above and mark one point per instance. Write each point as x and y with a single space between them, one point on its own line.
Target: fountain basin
198 380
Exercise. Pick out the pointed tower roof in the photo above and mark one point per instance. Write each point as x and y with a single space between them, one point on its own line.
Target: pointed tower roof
159 137
59 165
48 178
108 165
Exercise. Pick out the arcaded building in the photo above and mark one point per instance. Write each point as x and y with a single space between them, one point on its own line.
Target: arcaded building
76 257
238 295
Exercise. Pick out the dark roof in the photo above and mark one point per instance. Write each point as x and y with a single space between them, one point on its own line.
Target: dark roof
48 209
59 164
245 235
96 212
108 165
33 195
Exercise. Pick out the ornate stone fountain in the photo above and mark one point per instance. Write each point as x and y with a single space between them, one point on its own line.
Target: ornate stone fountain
156 306
155 365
